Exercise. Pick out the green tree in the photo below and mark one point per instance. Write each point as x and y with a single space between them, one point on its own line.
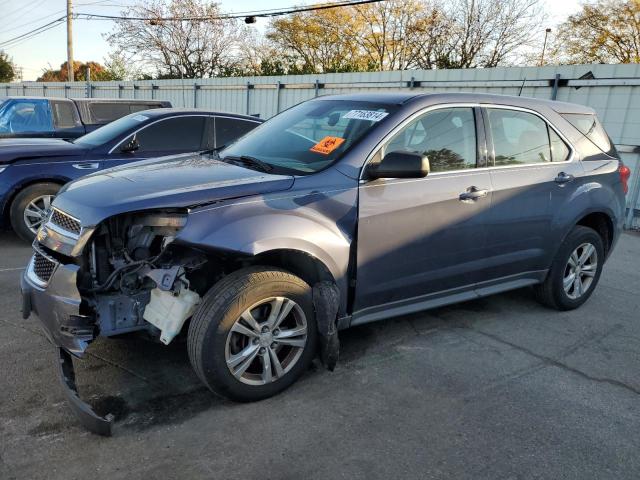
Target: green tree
315 42
7 68
607 31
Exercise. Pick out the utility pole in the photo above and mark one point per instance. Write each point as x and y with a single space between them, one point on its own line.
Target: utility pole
544 46
69 41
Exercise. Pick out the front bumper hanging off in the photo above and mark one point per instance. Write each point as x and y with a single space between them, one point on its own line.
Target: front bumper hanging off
57 306
89 419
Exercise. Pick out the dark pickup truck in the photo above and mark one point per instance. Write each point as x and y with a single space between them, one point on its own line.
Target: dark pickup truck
64 117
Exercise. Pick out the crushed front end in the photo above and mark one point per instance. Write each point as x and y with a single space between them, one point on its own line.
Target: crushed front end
123 275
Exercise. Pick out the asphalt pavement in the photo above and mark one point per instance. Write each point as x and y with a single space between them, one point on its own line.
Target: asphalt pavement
490 389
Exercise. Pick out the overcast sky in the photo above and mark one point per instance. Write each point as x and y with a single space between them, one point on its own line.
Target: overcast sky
49 48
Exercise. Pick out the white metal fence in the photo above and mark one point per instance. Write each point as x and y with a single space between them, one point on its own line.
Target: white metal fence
612 90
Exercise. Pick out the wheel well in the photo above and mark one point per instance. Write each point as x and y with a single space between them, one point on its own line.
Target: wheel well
601 223
7 205
305 266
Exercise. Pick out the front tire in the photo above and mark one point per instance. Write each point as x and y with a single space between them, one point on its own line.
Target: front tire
254 334
575 271
29 207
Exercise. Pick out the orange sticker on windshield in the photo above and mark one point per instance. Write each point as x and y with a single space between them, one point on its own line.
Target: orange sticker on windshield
327 145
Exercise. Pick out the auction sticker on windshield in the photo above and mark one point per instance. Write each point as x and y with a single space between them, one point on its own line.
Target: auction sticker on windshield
371 115
327 145
139 118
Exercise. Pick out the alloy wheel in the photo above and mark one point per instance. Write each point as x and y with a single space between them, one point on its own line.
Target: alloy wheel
580 270
36 212
266 341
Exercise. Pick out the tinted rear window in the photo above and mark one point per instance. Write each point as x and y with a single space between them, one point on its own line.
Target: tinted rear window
138 107
64 114
107 112
591 128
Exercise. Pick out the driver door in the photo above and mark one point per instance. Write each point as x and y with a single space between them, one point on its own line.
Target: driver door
421 239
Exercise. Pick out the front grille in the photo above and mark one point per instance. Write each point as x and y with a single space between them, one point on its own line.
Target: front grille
43 267
65 222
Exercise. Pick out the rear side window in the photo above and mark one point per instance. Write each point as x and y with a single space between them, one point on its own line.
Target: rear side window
172 134
105 112
518 137
559 150
591 128
447 137
64 114
230 129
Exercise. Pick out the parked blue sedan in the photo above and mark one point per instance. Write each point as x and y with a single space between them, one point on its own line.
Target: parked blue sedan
33 170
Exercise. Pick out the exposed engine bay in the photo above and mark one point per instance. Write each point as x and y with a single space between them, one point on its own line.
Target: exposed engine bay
135 279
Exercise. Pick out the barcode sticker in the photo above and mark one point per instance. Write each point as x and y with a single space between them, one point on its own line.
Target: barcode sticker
371 115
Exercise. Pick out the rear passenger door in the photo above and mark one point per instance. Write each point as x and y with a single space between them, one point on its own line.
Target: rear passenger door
533 169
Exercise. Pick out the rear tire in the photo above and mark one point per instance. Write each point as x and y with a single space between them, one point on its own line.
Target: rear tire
575 271
28 209
254 334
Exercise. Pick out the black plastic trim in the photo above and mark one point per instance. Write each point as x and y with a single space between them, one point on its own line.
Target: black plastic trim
89 419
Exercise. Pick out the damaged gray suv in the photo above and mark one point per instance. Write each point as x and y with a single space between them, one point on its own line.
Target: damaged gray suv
340 211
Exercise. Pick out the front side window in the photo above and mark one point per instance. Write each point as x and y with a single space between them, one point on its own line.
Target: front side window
447 137
172 134
25 116
518 137
310 136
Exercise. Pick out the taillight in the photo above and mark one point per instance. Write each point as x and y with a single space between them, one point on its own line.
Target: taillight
625 174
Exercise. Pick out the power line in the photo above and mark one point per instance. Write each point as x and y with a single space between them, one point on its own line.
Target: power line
18 27
229 16
257 13
33 33
24 8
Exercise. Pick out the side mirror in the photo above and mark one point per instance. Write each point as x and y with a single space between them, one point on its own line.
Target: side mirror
131 146
401 165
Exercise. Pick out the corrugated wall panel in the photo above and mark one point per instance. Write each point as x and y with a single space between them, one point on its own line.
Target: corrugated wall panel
617 105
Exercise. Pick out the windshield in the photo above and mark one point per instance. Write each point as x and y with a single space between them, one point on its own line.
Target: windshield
25 116
309 136
112 130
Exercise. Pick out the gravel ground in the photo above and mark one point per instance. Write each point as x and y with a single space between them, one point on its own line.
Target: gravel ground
494 388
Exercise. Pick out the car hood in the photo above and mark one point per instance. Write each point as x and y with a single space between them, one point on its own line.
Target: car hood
12 149
171 182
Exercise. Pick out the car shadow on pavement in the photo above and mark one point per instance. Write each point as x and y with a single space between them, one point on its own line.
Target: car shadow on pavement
146 384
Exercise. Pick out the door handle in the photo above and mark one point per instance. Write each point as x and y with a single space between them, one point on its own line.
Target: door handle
564 177
473 193
86 166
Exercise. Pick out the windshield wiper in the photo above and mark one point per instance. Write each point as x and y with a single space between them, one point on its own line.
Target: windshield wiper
248 161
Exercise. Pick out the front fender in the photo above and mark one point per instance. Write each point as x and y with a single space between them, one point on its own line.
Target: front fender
318 223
